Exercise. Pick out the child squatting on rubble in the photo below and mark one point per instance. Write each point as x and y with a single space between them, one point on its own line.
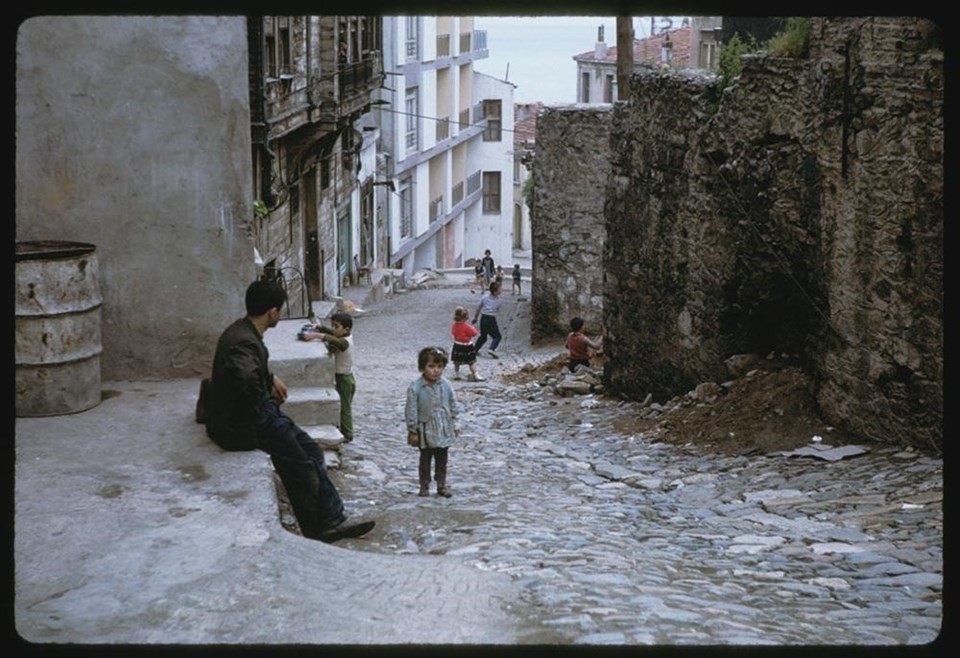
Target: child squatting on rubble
431 414
579 346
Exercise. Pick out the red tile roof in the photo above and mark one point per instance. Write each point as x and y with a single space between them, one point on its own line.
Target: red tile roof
648 50
525 125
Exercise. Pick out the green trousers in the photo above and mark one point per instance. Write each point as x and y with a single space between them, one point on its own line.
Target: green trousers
346 387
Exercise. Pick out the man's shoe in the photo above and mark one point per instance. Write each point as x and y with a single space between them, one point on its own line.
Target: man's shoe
444 490
492 354
476 378
345 530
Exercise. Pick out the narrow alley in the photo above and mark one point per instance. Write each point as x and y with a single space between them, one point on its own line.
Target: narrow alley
616 540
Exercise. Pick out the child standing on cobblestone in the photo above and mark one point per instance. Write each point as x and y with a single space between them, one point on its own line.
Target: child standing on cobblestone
516 279
464 352
431 414
340 343
478 271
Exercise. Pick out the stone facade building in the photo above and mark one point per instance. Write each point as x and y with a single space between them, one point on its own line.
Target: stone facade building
311 80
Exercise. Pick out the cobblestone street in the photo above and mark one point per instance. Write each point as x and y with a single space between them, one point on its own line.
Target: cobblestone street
617 540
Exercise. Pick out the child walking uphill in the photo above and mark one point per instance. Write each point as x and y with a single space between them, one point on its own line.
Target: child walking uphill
464 353
340 343
487 314
431 414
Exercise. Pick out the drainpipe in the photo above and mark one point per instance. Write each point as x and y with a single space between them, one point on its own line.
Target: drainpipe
624 56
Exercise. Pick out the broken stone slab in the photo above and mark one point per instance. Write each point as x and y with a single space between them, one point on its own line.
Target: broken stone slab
706 392
331 459
327 437
569 387
739 364
825 452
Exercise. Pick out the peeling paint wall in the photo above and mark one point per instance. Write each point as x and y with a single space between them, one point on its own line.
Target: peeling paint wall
133 134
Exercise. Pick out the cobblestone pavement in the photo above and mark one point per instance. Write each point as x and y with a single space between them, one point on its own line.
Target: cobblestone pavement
616 540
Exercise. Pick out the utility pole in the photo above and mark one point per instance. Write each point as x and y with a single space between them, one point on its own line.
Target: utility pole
624 56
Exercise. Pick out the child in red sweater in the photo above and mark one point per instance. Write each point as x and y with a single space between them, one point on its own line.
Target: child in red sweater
579 346
464 352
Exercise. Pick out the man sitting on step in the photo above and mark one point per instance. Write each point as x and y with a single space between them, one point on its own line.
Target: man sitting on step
243 413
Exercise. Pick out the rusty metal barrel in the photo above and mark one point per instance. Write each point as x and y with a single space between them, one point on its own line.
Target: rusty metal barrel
58 319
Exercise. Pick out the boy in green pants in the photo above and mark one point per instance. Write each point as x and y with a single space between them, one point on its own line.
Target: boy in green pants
340 343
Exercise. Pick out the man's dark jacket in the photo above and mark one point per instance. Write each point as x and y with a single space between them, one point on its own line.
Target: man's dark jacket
240 383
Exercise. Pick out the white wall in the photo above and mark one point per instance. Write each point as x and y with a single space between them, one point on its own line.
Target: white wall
492 231
133 134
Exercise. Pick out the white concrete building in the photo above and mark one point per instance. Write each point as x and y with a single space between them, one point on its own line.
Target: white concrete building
445 136
695 44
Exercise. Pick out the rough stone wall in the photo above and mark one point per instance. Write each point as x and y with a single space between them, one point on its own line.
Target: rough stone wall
571 168
801 213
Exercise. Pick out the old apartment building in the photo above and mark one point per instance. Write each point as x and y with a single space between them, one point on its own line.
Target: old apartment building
311 80
445 141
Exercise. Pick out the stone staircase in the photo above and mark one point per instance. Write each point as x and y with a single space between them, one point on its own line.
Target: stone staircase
308 371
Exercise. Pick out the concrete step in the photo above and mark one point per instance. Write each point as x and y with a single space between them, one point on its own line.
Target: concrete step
298 363
314 371
330 440
313 405
328 436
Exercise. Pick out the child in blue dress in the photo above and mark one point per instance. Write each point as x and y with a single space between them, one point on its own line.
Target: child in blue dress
431 415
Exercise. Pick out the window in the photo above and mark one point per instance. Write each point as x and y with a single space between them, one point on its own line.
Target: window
491 112
406 208
491 191
270 46
294 196
608 89
413 37
277 45
324 172
708 55
348 150
412 110
584 87
286 66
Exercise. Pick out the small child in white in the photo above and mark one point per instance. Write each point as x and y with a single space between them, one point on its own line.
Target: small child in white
431 414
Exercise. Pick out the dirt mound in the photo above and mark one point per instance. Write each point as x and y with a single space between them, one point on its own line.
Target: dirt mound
769 409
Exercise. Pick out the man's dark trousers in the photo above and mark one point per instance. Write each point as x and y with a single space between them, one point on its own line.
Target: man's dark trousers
299 461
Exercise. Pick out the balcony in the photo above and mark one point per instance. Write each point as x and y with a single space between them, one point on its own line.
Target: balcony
443 45
443 129
456 194
358 76
347 90
473 182
464 119
436 209
473 41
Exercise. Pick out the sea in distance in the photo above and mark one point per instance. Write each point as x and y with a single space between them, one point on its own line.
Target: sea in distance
536 53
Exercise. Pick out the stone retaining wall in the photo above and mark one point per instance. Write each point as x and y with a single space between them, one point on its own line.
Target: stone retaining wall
800 213
804 217
571 168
